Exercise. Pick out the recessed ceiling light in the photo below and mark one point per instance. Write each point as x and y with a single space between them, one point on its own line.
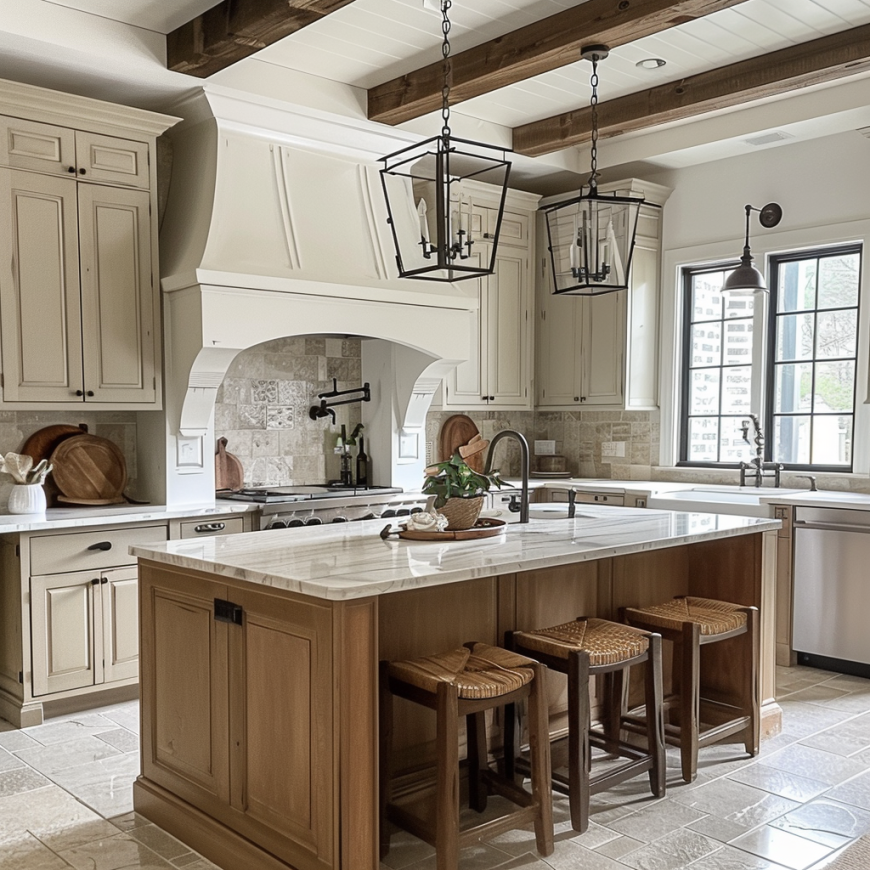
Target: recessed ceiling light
651 63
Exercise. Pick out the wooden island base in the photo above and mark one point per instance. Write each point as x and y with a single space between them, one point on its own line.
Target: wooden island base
259 739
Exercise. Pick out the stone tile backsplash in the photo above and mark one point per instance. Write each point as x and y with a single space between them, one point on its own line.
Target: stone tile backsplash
262 408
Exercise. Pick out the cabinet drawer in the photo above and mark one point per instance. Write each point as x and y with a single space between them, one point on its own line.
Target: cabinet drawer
599 498
55 554
112 161
205 528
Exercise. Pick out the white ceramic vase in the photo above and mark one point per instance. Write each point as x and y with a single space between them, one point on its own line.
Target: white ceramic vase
27 498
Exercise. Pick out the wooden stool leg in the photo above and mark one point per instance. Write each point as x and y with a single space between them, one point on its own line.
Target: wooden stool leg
447 779
475 728
753 729
385 731
511 732
654 716
579 754
690 694
539 752
614 700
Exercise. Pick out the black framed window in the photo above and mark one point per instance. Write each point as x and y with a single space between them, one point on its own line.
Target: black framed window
717 368
812 357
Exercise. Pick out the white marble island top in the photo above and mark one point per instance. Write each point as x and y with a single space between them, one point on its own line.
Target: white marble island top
347 561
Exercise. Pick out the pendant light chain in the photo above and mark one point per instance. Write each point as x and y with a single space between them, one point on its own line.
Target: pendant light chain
593 102
448 68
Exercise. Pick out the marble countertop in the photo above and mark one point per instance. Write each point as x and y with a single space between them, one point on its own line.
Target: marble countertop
351 561
821 499
113 515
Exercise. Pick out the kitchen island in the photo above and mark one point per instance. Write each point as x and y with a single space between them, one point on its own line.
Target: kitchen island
260 651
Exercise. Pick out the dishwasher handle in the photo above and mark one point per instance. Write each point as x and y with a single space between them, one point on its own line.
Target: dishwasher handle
832 527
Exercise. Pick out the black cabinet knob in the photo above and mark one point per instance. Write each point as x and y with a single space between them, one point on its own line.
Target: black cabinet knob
71 170
79 392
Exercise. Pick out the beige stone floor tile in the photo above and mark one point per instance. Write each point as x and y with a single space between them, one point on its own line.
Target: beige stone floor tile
14 740
737 803
718 829
21 780
855 791
159 841
576 857
125 715
102 771
827 822
114 853
676 850
815 764
81 725
51 814
53 759
729 858
27 853
780 782
788 850
8 761
656 821
802 719
128 821
122 739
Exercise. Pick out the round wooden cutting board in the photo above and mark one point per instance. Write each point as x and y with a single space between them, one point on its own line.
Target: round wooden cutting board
89 470
42 444
456 432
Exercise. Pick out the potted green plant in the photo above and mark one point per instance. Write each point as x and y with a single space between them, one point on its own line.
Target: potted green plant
459 490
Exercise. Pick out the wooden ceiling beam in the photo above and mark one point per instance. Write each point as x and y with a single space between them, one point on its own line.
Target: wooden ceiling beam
532 50
798 66
235 29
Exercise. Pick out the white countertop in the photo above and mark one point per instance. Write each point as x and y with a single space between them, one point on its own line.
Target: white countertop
827 498
113 515
351 560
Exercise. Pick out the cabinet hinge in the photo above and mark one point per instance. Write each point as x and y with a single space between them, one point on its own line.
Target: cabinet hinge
543 315
226 611
21 677
2 382
18 551
154 382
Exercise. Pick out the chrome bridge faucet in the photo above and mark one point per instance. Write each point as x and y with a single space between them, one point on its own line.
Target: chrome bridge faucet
757 463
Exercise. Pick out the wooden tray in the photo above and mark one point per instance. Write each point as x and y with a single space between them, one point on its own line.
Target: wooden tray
485 527
89 470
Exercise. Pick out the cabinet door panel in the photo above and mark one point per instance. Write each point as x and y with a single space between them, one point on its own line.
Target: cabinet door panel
603 338
39 147
39 288
67 632
117 311
111 160
466 384
642 378
120 624
558 349
507 313
282 773
184 724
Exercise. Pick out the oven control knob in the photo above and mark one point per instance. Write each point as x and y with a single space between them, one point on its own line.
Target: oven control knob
339 519
278 524
388 513
417 510
314 521
295 524
404 512
368 516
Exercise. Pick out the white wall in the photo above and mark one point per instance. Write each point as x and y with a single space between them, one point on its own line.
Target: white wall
823 186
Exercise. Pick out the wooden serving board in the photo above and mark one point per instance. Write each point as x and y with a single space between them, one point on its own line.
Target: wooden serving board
89 470
456 432
228 471
42 443
485 527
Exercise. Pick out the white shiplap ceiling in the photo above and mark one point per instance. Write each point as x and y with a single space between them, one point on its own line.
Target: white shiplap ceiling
373 41
161 16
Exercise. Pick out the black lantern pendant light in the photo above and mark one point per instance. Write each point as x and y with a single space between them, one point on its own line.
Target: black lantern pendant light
591 237
746 279
429 211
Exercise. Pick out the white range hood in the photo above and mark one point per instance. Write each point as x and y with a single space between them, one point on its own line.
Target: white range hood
276 226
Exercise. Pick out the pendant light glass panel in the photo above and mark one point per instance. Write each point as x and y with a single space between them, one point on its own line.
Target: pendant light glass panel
430 213
591 240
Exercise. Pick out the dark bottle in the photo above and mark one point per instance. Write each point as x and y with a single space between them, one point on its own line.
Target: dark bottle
362 464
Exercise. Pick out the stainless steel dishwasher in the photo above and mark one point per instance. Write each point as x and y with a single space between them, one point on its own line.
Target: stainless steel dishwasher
832 589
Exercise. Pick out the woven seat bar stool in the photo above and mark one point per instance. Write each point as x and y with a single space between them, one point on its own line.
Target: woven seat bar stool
467 682
690 623
583 649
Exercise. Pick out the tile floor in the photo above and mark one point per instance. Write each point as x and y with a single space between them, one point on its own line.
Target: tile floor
65 800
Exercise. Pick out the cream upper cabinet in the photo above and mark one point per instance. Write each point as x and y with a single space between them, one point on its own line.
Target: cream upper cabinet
117 294
40 303
602 351
79 305
498 372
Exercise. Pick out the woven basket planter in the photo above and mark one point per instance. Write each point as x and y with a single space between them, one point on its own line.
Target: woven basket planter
461 513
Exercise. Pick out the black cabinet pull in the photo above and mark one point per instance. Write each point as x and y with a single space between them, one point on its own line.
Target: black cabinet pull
104 580
95 581
226 611
209 527
101 545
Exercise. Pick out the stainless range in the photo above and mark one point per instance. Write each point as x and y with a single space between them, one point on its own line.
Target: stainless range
288 507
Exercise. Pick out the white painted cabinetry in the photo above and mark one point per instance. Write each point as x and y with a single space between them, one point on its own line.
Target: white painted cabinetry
69 601
498 372
78 253
602 351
